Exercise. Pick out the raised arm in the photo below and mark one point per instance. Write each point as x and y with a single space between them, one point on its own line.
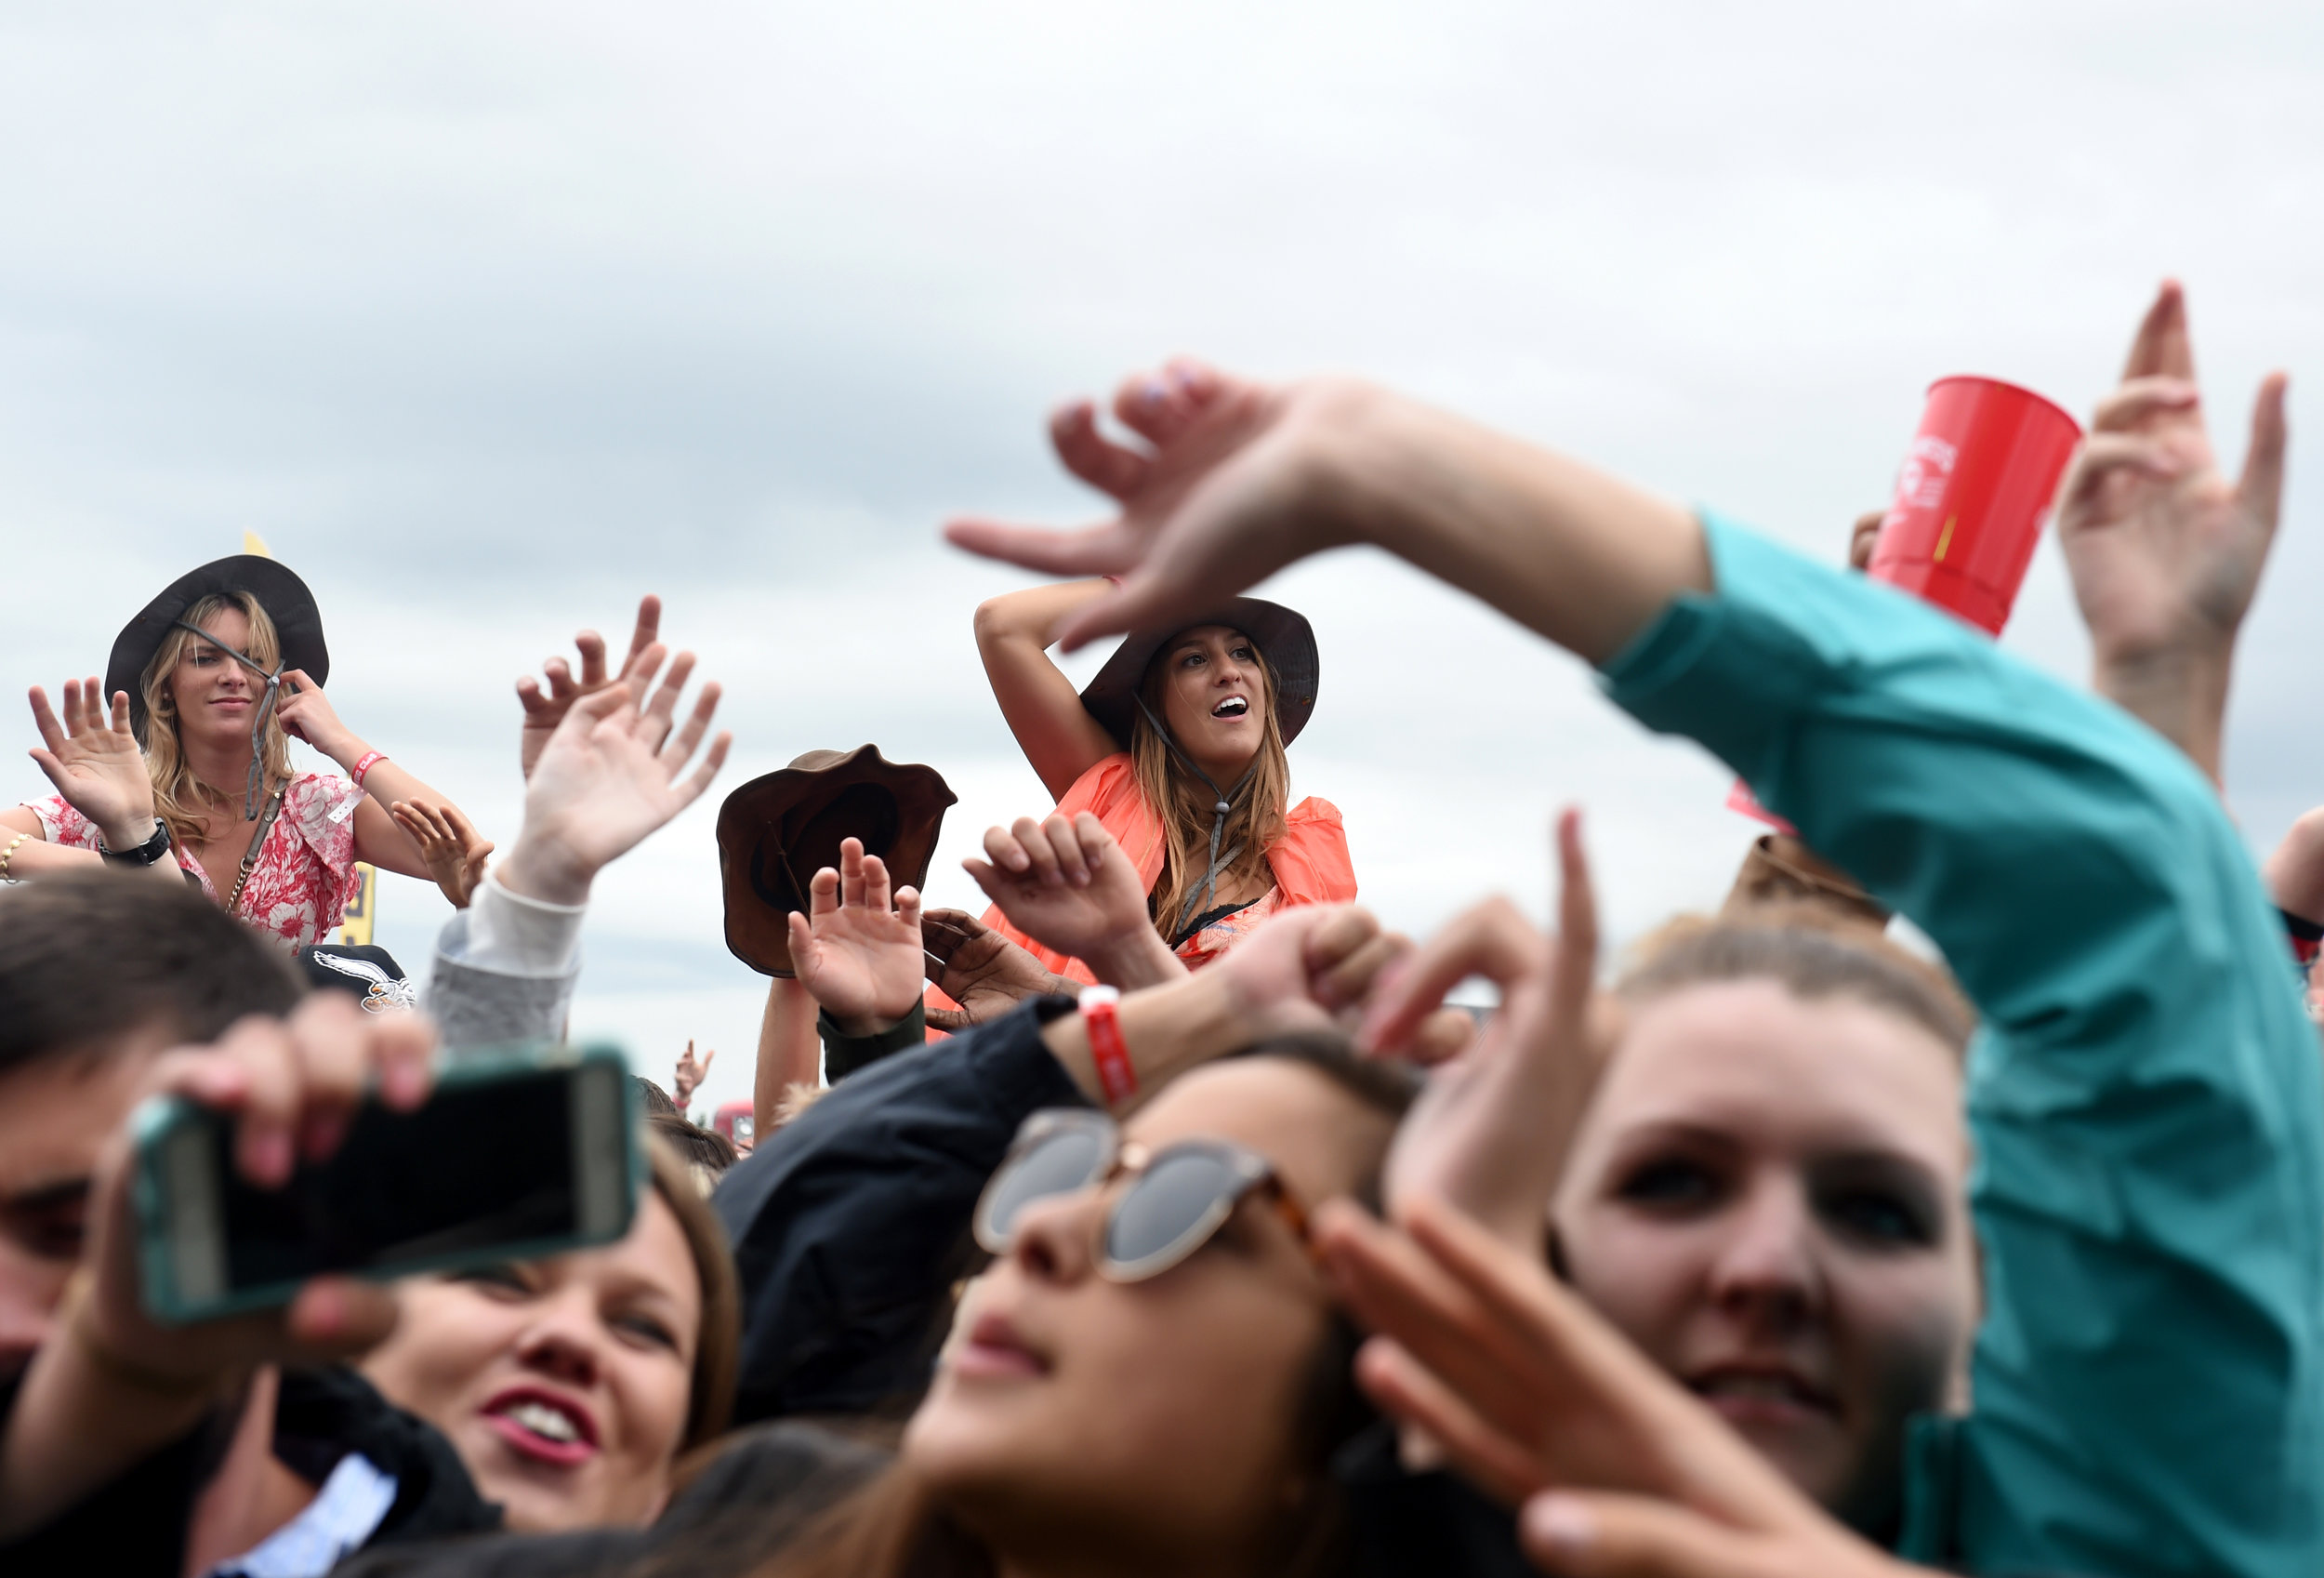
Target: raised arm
2165 551
1056 733
1262 476
2146 1106
94 761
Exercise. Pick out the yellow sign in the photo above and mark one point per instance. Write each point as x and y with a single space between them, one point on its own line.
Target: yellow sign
252 543
361 910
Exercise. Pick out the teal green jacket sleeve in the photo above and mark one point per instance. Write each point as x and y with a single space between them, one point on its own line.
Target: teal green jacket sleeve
2144 1094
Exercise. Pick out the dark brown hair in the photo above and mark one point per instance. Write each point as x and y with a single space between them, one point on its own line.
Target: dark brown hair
86 958
895 1527
1810 951
710 1394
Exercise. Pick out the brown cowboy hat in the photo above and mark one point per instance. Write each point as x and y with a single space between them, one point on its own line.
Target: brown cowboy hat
1283 636
775 832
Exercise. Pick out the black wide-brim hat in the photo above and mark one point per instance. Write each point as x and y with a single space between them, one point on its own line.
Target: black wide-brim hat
1284 638
283 596
775 832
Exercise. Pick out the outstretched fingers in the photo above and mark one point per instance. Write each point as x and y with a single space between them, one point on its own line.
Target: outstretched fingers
2162 344
1574 968
1408 1391
686 790
645 634
1110 468
2132 404
52 733
1102 550
682 745
2261 488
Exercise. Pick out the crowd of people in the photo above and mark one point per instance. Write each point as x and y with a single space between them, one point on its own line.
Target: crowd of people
1166 1218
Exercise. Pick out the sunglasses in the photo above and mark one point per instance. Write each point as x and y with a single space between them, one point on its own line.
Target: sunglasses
1176 1200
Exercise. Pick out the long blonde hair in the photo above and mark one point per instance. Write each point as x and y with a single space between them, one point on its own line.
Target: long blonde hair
1184 803
180 800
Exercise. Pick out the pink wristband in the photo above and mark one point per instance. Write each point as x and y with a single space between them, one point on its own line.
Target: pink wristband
371 759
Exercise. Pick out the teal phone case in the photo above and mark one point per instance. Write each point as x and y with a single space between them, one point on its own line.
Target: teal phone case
159 1117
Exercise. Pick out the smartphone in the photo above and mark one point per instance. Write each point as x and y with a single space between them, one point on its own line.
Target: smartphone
513 1155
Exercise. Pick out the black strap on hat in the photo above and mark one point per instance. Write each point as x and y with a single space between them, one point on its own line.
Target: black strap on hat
1218 813
254 791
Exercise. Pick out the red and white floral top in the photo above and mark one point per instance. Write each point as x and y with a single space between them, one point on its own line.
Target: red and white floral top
306 874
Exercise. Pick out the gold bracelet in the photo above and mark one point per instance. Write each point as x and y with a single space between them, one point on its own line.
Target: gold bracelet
9 855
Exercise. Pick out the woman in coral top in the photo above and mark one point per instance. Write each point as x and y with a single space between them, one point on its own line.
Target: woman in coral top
1177 746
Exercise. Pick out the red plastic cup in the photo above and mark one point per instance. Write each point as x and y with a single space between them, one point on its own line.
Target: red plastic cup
1973 497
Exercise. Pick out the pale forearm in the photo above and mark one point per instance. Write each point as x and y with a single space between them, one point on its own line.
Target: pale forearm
1166 1030
1027 617
789 1051
1136 961
1573 553
2181 696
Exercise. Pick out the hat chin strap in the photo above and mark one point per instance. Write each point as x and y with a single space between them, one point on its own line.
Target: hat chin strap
1218 812
254 791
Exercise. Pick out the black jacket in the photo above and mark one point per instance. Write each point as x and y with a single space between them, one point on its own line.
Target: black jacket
137 1523
850 1224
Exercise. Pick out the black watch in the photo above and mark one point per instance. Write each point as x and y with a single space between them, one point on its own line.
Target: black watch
146 854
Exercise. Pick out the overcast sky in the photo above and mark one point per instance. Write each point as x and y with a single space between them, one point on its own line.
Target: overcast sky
488 317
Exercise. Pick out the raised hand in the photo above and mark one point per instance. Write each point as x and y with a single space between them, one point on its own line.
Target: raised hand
306 714
96 766
688 1076
454 852
979 969
1215 504
1490 1134
2164 551
1066 884
858 956
614 773
545 711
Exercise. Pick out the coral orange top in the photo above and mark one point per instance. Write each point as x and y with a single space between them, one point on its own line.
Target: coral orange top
1310 862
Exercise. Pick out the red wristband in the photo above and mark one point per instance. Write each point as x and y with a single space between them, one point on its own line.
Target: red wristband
1100 1016
371 759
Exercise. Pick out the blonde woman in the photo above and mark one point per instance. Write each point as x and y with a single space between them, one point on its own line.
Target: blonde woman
212 681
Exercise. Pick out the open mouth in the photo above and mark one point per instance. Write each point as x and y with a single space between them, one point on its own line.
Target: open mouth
544 1428
1232 707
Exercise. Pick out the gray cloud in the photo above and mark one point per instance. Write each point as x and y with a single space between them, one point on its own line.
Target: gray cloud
489 316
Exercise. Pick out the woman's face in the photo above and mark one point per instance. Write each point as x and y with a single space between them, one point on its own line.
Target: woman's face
214 696
1074 1412
563 1384
1768 1195
1214 699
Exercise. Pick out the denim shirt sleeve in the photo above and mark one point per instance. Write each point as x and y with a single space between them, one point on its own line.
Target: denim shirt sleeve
2144 1094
